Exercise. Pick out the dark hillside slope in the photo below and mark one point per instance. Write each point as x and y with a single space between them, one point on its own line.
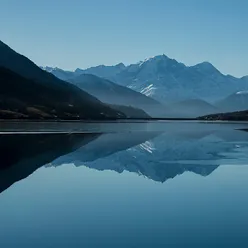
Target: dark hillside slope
82 105
24 98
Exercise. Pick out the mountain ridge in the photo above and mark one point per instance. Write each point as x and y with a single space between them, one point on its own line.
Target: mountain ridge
172 80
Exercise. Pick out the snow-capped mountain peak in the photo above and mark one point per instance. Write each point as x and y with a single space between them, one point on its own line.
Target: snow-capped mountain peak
159 59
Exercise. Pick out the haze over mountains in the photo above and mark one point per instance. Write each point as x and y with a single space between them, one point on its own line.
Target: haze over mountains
234 102
185 91
111 93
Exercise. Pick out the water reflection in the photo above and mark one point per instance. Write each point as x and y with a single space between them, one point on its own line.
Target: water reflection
157 155
78 200
164 155
22 154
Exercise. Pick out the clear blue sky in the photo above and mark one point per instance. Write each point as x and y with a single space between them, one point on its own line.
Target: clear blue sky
82 33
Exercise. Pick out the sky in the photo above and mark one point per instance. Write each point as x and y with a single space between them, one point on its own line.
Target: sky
74 34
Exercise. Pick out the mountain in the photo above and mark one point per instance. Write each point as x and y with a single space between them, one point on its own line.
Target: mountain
234 102
167 80
111 93
172 83
22 82
190 108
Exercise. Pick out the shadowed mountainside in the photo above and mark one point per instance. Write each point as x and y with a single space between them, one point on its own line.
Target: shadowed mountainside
111 93
21 98
18 71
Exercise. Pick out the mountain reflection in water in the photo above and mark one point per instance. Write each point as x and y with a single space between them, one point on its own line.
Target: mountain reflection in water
157 155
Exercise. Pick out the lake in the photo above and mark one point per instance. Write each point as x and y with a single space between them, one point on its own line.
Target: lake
140 184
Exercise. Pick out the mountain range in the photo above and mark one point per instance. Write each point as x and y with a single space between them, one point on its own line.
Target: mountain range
167 80
172 89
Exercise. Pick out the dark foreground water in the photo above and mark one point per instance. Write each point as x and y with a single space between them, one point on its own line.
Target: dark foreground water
152 185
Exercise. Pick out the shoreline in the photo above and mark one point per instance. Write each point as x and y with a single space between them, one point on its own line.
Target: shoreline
133 120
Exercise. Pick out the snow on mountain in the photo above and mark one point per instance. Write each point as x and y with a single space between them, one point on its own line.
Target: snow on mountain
149 90
168 80
111 93
173 81
48 68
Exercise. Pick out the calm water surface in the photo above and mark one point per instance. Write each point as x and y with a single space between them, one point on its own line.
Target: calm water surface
149 185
